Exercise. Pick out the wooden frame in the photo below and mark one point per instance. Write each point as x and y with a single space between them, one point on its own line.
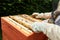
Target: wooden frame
19 30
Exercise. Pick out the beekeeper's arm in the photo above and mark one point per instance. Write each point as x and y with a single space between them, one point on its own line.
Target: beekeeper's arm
42 15
51 30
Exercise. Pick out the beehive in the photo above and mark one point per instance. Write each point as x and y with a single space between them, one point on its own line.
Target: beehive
18 27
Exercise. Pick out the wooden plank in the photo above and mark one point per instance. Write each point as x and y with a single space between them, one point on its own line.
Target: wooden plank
30 18
16 18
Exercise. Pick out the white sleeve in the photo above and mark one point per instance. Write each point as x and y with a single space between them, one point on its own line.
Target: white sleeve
52 31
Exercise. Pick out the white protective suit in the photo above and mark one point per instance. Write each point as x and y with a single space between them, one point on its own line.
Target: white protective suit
51 30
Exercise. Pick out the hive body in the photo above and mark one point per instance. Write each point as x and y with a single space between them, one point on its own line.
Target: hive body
12 31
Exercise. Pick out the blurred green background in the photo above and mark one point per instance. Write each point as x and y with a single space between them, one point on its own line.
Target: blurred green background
12 7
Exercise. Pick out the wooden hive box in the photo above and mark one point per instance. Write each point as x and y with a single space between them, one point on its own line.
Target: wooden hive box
17 27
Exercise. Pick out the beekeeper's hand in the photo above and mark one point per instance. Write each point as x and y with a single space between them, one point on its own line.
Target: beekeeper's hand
35 14
38 27
46 15
52 31
42 15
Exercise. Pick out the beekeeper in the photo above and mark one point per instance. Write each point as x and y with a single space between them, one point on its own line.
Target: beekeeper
51 30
